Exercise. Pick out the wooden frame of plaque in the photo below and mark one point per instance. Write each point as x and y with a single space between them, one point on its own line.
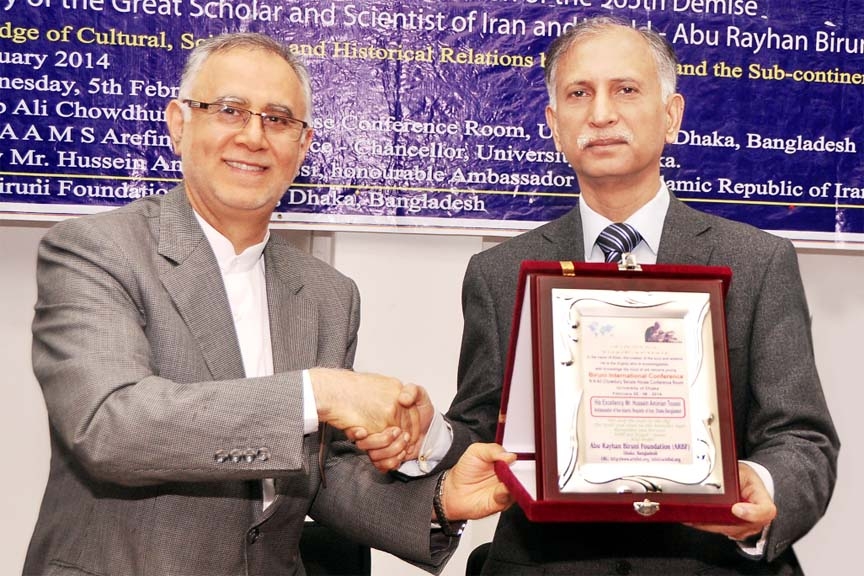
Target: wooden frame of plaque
617 396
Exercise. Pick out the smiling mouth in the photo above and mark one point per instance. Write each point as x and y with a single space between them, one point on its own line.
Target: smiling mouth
244 167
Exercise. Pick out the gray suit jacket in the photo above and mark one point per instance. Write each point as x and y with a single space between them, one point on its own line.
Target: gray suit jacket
135 350
781 419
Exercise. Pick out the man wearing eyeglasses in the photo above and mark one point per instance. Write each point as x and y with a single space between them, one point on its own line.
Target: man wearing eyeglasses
187 358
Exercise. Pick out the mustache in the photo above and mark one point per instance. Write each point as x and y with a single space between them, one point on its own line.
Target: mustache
620 134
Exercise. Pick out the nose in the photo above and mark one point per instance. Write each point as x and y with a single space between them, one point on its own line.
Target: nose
252 134
603 111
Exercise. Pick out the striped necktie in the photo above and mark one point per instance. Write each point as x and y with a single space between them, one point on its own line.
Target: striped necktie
616 239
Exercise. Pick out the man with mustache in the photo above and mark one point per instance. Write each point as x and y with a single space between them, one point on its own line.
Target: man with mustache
612 109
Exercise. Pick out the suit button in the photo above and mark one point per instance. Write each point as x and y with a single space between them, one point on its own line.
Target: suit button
249 455
236 455
623 567
263 454
220 456
253 535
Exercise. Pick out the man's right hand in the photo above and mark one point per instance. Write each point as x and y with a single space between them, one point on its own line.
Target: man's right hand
390 448
364 402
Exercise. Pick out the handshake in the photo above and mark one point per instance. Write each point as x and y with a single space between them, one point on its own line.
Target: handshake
362 404
390 420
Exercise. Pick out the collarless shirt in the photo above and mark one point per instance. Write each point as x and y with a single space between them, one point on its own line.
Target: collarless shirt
243 276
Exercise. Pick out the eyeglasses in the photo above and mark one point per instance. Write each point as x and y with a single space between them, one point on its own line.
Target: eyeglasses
231 116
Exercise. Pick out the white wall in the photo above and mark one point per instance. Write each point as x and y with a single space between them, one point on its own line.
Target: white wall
24 424
835 291
410 285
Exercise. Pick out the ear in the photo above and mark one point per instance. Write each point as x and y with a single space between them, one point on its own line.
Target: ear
552 122
174 119
674 115
304 144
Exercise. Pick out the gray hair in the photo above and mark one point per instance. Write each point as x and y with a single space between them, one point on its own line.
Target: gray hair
661 51
248 40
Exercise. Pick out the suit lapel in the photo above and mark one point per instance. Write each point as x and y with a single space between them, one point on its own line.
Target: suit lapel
565 236
685 238
294 339
293 317
195 285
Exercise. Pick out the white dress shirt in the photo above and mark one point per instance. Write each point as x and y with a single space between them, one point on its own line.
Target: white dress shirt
243 276
648 221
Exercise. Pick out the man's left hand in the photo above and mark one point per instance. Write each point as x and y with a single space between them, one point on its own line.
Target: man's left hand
472 489
757 510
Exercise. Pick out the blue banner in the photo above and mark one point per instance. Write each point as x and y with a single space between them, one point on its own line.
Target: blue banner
430 114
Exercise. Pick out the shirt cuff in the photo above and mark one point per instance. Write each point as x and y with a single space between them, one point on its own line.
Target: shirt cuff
435 446
749 547
310 409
